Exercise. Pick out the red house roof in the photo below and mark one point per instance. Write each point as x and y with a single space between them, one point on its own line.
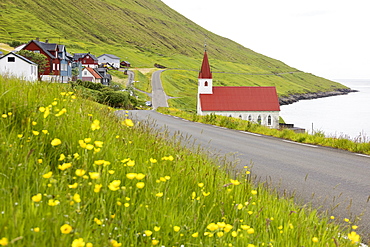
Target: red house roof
240 99
93 73
205 70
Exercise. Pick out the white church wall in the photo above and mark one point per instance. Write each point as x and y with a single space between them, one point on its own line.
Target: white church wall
253 116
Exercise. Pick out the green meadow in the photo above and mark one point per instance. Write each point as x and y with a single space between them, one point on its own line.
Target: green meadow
75 174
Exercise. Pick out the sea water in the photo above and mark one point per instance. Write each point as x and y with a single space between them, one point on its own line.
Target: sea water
337 116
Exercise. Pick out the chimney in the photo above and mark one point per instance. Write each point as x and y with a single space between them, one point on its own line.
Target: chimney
37 39
46 41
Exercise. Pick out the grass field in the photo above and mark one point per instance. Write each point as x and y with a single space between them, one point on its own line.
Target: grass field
76 175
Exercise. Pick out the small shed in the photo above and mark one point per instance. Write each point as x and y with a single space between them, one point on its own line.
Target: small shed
109 60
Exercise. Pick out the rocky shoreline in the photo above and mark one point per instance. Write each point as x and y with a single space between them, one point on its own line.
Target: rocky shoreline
297 97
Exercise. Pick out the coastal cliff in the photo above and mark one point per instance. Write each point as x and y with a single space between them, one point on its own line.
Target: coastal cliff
297 97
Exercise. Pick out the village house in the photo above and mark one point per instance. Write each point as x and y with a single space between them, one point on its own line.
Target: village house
109 60
59 63
90 74
14 65
255 104
86 60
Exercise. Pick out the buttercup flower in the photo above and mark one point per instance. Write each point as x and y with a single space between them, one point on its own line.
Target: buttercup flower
97 188
94 175
195 235
73 186
77 198
47 175
4 241
148 233
56 142
140 185
114 185
64 166
160 194
65 229
131 175
128 122
95 125
354 237
80 172
176 228
315 239
37 198
79 242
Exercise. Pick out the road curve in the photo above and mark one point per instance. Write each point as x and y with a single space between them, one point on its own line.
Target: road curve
334 180
159 97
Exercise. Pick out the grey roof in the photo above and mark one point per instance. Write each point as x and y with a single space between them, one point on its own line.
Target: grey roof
77 56
18 56
110 55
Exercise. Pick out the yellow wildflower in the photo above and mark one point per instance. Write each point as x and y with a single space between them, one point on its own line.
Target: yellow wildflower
140 185
37 198
131 163
65 229
234 234
95 125
64 166
160 194
82 143
47 175
4 241
354 237
53 202
56 142
36 229
200 185
46 112
176 228
157 228
20 135
250 231
148 233
36 133
97 188
45 131
88 244
94 175
195 234
220 234
73 186
89 147
128 122
234 182
79 242
315 239
254 192
114 185
80 172
61 157
77 198
212 227
140 176
97 221
131 175
114 243
155 241
42 109
111 172
98 144
152 160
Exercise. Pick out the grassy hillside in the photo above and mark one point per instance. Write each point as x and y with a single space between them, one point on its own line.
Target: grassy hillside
76 175
145 32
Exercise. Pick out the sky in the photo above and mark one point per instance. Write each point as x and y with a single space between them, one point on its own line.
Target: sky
328 38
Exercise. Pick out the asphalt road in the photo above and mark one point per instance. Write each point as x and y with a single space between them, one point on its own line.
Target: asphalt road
329 179
159 97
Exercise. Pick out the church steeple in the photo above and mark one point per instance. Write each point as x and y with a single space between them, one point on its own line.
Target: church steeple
205 77
205 70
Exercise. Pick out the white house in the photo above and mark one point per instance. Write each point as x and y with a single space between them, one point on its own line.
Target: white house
110 60
256 104
15 65
90 74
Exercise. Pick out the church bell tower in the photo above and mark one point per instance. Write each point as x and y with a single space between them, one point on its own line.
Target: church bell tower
205 77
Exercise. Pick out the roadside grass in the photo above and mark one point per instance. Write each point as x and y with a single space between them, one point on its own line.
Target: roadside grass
318 138
75 174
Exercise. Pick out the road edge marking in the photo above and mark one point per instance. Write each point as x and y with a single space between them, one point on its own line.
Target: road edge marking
302 144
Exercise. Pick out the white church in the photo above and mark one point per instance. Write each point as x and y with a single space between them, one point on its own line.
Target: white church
255 104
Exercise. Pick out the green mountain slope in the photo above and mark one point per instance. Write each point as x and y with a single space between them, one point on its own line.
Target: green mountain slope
145 32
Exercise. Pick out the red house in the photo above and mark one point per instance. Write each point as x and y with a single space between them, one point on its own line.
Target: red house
58 66
86 60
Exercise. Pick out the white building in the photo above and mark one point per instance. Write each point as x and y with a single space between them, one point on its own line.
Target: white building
109 60
255 104
14 65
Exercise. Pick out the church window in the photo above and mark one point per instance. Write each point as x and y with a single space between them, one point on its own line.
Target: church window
269 120
259 119
206 84
230 116
250 118
240 116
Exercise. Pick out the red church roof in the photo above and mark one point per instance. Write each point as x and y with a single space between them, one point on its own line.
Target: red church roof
205 70
240 99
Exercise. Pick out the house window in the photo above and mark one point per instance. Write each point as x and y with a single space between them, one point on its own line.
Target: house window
269 120
11 59
206 84
63 67
85 72
36 51
259 119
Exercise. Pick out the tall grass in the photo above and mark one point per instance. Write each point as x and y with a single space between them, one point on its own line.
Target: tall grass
73 174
